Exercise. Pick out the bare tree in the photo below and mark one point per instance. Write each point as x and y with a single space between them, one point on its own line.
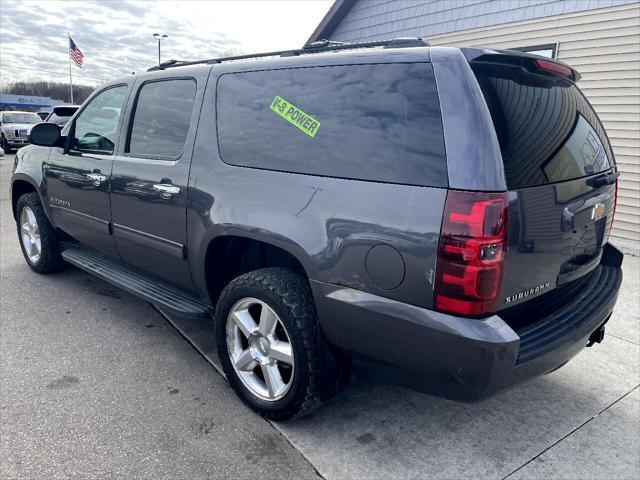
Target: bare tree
55 90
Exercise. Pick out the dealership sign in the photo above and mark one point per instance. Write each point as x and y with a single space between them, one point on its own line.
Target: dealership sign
27 100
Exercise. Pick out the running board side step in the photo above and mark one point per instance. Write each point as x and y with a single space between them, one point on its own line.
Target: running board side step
155 291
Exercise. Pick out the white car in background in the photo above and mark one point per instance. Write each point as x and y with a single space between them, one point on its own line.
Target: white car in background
15 128
61 114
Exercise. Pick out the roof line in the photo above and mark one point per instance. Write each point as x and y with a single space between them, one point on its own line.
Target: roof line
333 17
316 47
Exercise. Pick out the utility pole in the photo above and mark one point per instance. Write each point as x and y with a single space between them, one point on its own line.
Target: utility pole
159 37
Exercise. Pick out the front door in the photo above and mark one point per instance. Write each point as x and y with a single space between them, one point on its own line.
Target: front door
150 177
77 176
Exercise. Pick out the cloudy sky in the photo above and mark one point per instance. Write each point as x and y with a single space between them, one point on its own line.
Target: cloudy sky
116 35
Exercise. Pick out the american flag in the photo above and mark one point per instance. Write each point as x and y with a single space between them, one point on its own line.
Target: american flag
75 54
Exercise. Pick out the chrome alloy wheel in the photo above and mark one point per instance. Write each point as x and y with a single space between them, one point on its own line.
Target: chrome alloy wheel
30 235
260 349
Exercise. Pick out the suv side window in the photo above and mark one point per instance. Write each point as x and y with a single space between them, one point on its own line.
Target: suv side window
96 127
161 118
376 122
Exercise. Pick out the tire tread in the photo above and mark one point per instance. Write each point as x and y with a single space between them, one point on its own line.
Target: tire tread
295 295
50 258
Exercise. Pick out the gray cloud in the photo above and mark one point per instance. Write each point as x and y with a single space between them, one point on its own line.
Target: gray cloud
115 37
135 9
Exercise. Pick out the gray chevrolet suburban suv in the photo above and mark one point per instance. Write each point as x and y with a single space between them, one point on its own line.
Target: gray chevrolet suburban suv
443 211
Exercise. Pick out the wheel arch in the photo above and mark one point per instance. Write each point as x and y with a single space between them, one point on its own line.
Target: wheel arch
282 252
230 255
21 185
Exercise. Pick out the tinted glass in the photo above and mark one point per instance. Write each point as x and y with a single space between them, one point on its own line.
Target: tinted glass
547 130
97 124
162 118
581 154
369 122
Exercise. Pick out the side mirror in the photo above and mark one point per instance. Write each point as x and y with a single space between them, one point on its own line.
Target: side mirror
45 135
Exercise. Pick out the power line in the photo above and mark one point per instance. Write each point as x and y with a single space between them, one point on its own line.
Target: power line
50 72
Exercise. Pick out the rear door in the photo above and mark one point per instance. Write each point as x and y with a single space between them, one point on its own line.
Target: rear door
559 170
150 176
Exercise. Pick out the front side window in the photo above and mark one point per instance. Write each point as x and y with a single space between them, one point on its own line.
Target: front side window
376 122
162 118
97 125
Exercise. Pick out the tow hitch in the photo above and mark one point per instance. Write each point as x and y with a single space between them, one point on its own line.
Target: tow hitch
597 336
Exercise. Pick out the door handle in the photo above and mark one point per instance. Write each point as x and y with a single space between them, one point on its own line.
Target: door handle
96 178
166 190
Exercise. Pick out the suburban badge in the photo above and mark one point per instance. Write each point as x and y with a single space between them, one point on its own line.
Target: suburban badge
526 293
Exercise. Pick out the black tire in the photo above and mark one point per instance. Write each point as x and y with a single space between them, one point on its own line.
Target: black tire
5 145
289 296
50 259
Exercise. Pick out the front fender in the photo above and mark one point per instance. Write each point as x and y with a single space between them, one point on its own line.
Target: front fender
28 167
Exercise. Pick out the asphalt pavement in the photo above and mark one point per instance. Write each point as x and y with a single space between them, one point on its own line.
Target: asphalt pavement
95 383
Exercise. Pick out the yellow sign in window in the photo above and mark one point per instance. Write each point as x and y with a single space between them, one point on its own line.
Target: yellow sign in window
295 116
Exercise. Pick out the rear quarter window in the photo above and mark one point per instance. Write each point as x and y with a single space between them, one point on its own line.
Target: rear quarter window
367 122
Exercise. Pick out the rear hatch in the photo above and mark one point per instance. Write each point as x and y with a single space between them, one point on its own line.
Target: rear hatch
559 168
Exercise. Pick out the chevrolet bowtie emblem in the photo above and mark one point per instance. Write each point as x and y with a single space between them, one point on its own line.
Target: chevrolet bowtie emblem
597 211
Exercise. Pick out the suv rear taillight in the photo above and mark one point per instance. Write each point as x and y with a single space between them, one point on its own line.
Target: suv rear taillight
471 251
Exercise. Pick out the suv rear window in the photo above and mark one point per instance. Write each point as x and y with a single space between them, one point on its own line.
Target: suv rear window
368 122
547 130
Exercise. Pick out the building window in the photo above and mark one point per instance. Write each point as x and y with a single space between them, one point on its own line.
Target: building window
549 50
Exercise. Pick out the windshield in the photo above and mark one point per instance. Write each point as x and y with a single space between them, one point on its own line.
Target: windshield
21 118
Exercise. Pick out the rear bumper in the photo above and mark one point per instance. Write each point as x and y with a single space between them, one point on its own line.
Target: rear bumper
466 359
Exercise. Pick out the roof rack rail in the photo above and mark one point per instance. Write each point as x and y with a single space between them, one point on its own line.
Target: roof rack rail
322 44
314 47
403 42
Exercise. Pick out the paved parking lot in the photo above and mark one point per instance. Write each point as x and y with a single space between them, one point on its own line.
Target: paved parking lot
95 383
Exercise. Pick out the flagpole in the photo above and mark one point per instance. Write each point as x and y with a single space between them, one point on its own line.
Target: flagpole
69 55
